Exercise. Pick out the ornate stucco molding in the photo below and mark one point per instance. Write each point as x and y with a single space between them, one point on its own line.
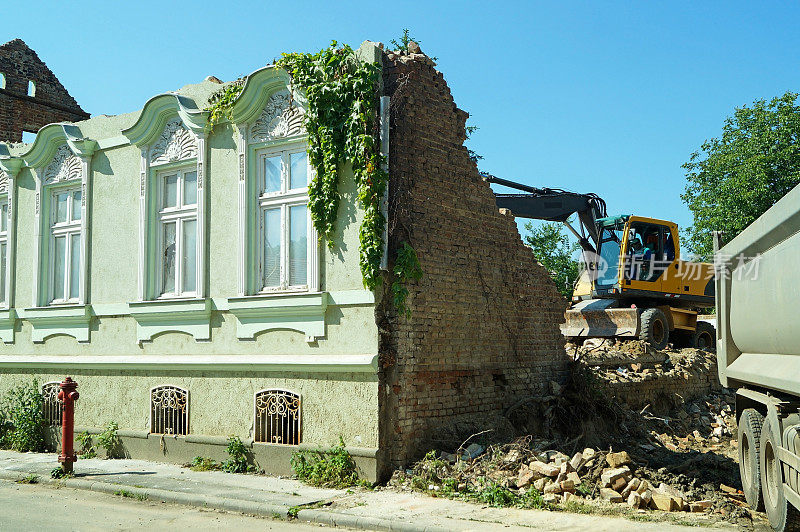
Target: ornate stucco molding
65 166
176 143
281 118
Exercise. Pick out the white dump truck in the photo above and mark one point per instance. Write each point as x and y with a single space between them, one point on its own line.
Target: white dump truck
758 352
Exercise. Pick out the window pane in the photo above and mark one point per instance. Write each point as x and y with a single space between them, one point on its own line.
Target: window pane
272 247
189 255
299 171
4 217
272 174
171 191
298 249
75 266
76 205
3 272
190 188
61 207
168 273
59 266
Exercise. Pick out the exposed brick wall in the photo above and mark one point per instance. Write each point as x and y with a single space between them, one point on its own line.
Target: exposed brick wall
20 112
686 378
483 332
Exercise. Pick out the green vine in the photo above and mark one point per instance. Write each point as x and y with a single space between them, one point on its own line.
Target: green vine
341 123
406 268
220 104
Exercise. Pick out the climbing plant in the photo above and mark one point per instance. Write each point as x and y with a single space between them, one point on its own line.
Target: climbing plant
220 104
341 123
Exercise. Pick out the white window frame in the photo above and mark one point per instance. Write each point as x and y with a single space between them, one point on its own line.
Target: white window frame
68 230
283 199
179 215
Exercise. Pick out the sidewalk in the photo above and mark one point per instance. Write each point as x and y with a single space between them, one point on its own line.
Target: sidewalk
274 497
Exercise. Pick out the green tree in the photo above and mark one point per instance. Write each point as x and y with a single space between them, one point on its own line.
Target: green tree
732 180
553 248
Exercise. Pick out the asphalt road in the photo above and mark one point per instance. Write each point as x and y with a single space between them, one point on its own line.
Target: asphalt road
35 507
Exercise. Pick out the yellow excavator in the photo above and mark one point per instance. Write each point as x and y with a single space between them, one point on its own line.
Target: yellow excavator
633 283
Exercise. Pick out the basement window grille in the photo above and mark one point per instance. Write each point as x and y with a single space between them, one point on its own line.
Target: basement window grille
277 417
169 410
51 405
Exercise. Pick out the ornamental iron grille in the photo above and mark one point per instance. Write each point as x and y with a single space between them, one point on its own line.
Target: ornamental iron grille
277 417
169 410
51 406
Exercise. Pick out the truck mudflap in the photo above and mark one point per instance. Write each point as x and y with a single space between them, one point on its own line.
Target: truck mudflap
599 318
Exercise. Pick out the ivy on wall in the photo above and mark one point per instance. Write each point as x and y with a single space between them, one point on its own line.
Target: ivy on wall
341 123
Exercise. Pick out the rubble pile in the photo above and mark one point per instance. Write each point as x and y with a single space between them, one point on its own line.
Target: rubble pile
671 452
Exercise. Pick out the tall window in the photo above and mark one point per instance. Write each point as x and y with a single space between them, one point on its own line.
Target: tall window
283 219
177 232
65 246
3 251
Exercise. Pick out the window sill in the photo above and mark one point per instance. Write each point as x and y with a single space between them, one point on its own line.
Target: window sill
189 316
8 322
67 319
299 311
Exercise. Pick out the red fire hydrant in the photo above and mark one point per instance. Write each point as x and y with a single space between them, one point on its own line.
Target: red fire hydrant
68 395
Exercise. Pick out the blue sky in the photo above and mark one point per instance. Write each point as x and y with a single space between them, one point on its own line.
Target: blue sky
597 97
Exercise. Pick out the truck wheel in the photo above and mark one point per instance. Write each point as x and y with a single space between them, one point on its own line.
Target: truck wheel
749 455
654 328
705 336
782 515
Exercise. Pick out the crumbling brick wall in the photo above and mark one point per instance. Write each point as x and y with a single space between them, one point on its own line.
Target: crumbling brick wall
662 387
484 326
20 112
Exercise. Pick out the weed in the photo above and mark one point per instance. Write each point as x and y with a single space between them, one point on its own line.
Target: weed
58 472
584 489
87 445
293 511
130 495
276 515
237 463
22 423
29 479
200 463
332 469
110 441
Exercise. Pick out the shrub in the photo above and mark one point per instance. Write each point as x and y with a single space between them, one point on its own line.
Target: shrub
332 469
87 445
237 463
110 441
23 423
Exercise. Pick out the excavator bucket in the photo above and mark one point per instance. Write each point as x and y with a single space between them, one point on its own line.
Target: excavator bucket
600 318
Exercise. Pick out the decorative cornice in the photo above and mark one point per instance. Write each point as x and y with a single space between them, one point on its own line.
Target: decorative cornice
158 111
49 140
65 166
258 88
281 118
176 143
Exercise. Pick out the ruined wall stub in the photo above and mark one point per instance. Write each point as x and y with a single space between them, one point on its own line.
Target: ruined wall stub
483 333
20 112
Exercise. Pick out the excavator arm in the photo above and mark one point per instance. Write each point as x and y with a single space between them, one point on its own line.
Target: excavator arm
555 205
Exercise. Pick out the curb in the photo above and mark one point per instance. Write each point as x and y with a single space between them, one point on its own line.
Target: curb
316 516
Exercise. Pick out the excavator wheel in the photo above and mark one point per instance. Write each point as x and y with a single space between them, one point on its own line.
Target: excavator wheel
704 337
654 328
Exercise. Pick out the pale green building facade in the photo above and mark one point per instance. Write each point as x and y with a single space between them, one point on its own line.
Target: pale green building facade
173 271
